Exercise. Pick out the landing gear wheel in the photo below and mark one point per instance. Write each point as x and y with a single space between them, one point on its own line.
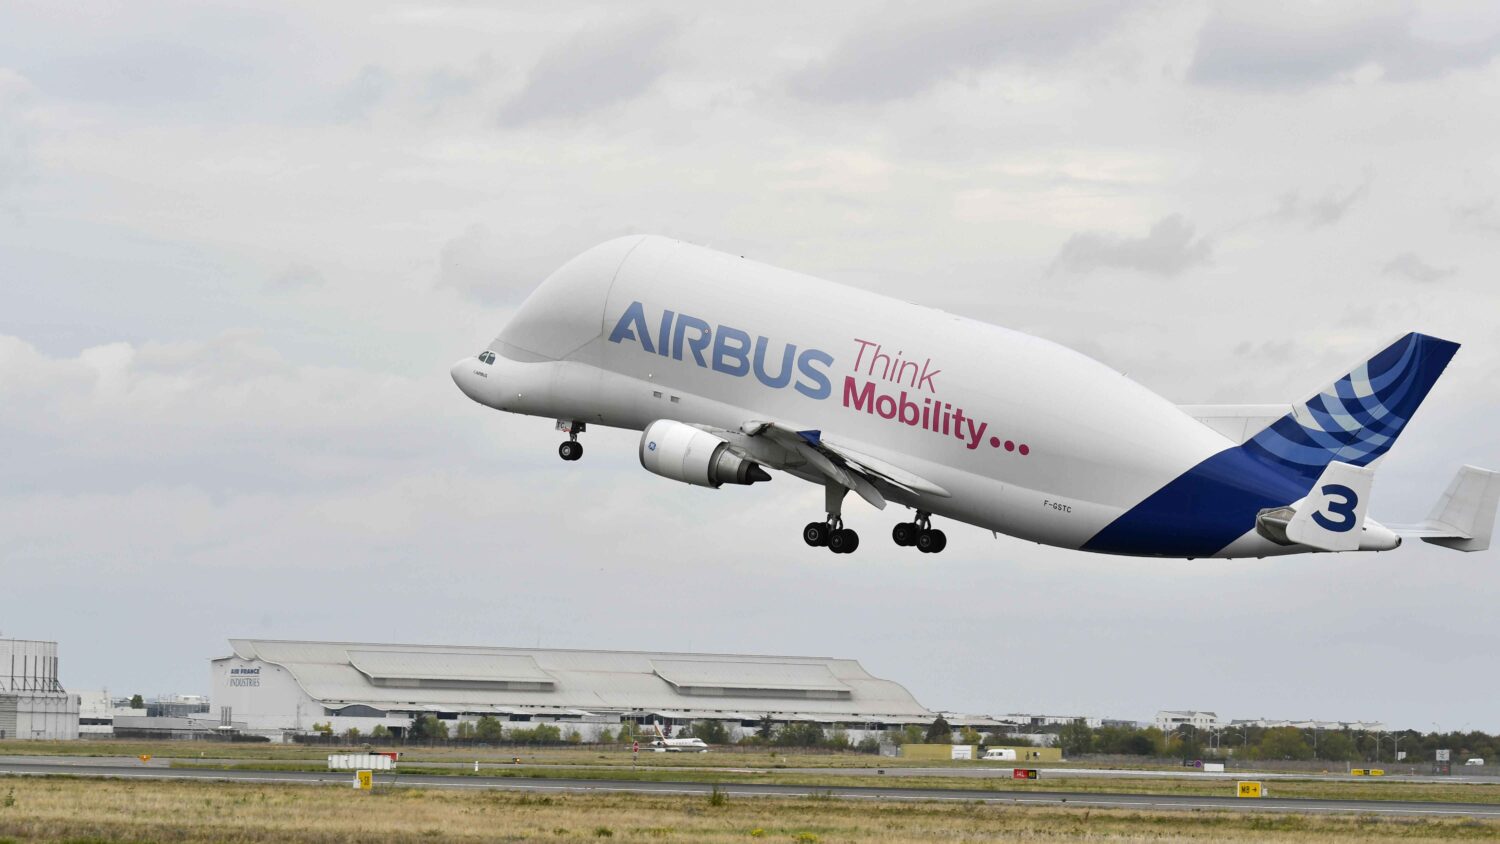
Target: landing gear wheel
843 541
904 533
816 534
570 450
931 541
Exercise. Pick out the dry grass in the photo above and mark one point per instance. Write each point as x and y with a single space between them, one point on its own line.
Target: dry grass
60 809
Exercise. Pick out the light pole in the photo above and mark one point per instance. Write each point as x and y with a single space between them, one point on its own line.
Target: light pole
1396 746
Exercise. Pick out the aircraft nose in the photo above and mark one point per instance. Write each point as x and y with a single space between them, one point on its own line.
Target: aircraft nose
464 377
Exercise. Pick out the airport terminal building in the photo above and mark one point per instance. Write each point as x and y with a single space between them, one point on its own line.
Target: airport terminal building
280 688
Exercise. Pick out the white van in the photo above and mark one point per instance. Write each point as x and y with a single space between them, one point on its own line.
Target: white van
1474 763
999 754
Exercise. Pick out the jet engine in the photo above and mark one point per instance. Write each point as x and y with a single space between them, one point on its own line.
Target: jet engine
694 456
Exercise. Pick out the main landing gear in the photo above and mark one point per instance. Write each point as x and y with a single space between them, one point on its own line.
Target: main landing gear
831 533
572 449
921 533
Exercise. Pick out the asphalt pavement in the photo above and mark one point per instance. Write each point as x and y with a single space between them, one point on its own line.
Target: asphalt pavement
85 767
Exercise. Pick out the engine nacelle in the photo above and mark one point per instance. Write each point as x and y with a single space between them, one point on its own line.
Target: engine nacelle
693 456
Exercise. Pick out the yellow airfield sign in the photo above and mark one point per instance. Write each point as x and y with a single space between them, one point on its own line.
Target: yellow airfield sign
1249 789
364 780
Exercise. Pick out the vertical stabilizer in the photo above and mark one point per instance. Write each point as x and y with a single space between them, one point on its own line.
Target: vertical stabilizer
1357 418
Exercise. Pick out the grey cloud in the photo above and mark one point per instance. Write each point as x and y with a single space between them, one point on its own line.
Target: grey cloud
354 100
1409 265
592 70
296 277
1477 216
1167 250
15 132
1325 210
1260 47
897 59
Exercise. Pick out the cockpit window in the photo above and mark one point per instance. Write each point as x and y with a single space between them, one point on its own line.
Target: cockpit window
487 357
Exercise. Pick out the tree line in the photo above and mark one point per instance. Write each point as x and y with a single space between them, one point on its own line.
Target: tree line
1275 743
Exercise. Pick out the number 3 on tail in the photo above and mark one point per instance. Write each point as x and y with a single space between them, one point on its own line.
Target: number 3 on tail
1343 509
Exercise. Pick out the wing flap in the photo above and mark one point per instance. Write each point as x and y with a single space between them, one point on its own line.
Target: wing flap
843 465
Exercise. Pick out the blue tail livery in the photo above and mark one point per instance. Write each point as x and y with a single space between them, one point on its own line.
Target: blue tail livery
1354 420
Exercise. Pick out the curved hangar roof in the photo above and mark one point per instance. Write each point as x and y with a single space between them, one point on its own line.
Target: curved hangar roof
471 679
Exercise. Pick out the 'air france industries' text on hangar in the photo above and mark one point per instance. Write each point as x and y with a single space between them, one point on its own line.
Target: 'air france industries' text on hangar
278 688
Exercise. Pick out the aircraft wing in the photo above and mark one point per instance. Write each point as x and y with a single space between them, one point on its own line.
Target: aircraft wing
841 464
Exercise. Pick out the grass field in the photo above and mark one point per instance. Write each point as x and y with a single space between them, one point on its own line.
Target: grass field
80 810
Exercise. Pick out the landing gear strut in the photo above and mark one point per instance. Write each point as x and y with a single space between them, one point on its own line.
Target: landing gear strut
831 533
921 533
572 449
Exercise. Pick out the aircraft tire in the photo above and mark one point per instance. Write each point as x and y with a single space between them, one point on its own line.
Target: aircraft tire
570 450
816 534
843 541
904 534
931 541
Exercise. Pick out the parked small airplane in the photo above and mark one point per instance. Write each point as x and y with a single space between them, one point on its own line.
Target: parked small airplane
730 368
662 744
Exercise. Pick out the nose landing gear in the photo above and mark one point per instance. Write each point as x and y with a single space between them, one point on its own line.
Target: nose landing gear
572 449
920 533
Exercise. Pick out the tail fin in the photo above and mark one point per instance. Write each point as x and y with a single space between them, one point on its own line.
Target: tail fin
1464 518
1357 418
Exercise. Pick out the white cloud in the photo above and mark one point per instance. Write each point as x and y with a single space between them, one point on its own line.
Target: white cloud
600 67
1296 45
901 55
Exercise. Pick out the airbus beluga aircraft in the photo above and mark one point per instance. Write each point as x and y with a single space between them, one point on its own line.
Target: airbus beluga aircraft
730 368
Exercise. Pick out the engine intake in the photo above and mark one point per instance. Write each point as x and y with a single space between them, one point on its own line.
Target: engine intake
694 456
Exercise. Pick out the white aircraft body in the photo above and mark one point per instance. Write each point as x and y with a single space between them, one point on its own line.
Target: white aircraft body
662 744
731 367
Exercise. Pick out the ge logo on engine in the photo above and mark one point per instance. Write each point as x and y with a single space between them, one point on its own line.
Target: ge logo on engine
651 446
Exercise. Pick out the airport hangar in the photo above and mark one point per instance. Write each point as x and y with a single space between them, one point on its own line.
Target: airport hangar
278 689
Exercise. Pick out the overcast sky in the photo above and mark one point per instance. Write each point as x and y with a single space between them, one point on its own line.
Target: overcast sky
241 244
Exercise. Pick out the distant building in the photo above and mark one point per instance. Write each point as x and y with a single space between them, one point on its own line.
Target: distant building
1168 720
99 715
33 704
1336 726
177 706
279 688
1023 721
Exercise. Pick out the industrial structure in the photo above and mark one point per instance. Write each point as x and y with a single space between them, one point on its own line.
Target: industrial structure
33 703
280 688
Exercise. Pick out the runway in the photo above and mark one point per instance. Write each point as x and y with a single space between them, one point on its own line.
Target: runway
1139 802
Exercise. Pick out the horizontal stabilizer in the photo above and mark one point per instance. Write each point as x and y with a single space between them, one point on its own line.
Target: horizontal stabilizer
1464 518
1332 517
